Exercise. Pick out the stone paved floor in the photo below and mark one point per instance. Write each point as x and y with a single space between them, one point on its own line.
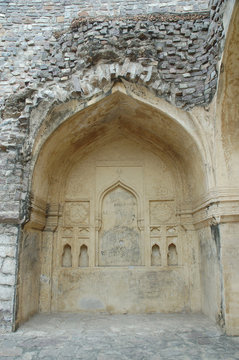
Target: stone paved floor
119 337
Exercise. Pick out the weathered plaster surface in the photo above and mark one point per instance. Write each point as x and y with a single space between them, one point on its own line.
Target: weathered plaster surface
76 86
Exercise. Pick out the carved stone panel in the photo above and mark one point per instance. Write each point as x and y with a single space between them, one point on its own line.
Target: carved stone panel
76 213
161 212
84 232
155 231
67 232
171 230
119 237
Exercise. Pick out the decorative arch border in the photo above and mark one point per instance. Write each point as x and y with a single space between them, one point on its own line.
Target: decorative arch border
48 123
128 188
98 220
47 115
52 118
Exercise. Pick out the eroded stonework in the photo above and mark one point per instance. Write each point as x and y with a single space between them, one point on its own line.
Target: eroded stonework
119 160
119 236
103 249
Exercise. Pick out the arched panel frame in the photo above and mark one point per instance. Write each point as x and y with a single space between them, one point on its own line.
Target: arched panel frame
140 220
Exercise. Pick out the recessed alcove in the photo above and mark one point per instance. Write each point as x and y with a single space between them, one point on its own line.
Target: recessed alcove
172 255
155 255
117 179
66 256
83 257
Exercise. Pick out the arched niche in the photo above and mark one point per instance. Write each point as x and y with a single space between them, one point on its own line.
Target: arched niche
171 130
83 256
141 145
67 256
172 255
156 255
119 233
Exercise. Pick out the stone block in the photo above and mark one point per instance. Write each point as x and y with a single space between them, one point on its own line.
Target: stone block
7 279
7 251
60 19
5 306
6 292
9 266
12 352
7 239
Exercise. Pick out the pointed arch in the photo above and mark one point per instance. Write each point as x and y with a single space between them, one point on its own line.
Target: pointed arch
75 124
128 188
119 236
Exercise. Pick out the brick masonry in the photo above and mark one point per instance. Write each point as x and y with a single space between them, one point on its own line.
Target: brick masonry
44 56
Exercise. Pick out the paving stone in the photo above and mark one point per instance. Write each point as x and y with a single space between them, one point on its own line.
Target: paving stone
118 337
10 351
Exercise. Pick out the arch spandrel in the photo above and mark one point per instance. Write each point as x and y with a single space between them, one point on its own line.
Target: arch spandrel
119 112
117 96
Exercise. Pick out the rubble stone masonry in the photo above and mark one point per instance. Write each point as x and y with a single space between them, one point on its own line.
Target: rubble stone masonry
52 48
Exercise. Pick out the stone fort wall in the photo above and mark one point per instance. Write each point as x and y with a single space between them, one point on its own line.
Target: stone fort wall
31 23
42 57
47 12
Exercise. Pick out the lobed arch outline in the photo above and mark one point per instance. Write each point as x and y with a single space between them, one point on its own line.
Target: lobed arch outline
100 199
130 189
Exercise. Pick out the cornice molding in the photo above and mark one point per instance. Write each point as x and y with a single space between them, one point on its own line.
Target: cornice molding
38 214
218 206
